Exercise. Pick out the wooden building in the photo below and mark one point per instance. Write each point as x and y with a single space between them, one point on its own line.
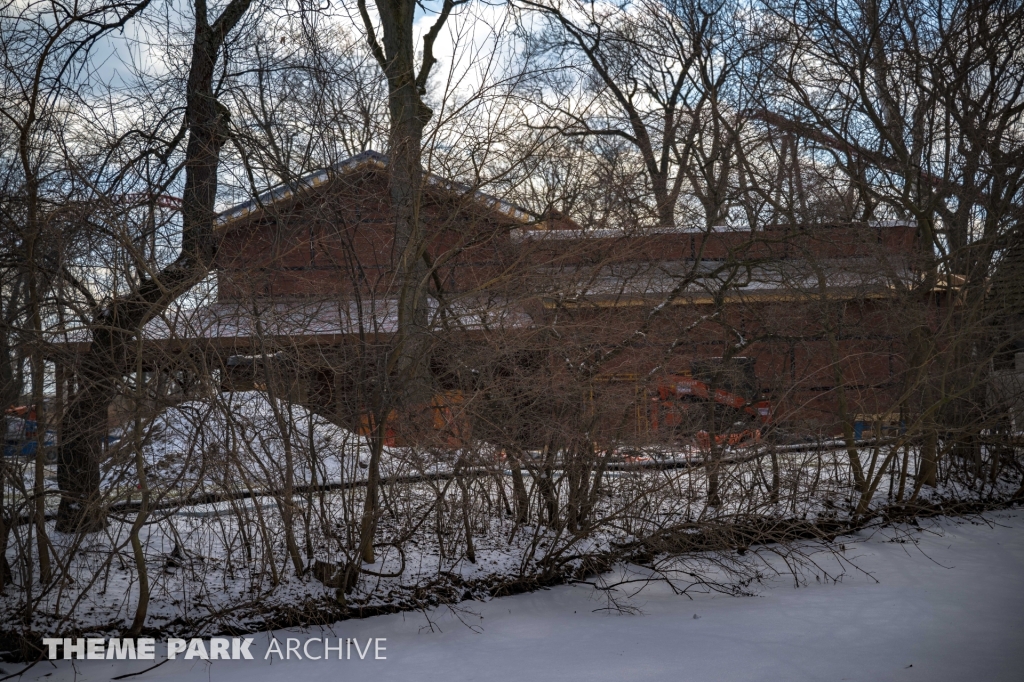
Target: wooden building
306 277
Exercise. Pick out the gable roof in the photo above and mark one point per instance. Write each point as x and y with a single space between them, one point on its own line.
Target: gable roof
364 160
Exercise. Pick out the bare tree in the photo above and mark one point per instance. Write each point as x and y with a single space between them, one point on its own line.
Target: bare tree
919 107
117 321
653 85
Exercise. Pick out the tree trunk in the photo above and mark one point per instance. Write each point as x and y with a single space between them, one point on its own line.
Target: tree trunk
774 497
548 512
81 448
466 519
519 489
6 576
119 323
38 376
408 117
714 496
142 609
927 474
922 351
368 525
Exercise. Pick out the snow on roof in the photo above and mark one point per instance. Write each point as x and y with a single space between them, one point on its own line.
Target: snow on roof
641 282
540 232
647 283
310 320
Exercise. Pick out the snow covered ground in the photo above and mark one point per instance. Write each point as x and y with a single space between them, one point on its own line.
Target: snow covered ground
944 604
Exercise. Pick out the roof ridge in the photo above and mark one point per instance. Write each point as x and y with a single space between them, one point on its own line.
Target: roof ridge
367 157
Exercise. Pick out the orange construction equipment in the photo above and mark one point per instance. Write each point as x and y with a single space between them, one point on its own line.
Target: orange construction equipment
688 387
678 395
741 439
22 411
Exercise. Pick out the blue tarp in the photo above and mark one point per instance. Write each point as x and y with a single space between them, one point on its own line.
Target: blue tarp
20 438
